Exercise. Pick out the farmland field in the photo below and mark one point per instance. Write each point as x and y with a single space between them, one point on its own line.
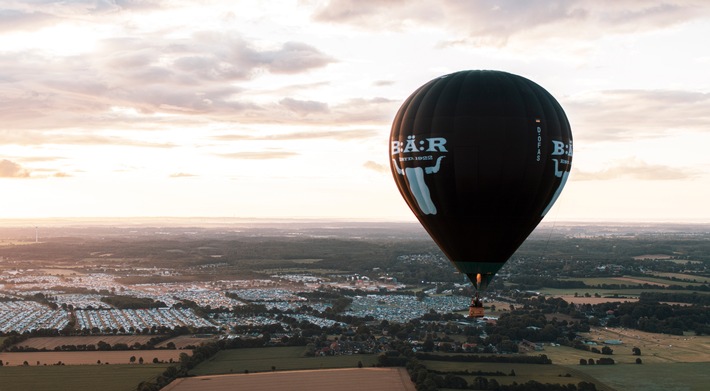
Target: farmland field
89 358
49 343
182 341
653 377
283 358
681 276
543 373
635 280
664 357
351 379
79 377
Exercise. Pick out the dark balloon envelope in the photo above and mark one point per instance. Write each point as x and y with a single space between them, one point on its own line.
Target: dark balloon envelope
480 157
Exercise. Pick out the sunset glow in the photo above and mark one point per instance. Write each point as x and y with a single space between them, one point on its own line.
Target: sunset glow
283 109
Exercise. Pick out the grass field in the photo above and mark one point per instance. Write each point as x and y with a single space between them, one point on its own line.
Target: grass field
681 276
652 377
283 358
670 362
78 377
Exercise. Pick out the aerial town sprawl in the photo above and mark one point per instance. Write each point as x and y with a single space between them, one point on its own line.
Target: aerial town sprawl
199 302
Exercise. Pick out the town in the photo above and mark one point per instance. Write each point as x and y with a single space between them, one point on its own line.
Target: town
378 300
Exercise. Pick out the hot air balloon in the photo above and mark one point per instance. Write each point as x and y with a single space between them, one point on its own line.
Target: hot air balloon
480 157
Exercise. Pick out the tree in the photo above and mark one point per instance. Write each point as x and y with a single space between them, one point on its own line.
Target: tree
480 382
428 344
456 382
638 360
636 351
359 364
132 359
582 361
140 360
607 350
420 295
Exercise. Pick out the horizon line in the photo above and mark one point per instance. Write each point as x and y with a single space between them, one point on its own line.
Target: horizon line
13 221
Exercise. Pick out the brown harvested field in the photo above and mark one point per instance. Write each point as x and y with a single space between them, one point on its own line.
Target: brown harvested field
90 358
350 379
49 343
652 256
182 341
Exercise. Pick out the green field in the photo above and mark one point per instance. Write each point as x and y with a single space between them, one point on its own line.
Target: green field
652 377
78 377
283 358
681 276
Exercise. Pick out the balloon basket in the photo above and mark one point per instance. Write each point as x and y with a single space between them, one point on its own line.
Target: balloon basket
475 310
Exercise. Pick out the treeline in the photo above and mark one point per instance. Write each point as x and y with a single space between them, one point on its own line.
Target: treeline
534 326
690 298
540 359
656 317
99 346
526 282
537 282
601 361
132 303
427 380
11 340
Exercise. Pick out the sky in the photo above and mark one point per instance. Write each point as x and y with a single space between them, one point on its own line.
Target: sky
282 109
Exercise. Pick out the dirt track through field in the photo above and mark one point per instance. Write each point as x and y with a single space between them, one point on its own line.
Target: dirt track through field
350 379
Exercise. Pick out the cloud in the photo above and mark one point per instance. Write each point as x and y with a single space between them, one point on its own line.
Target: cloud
629 114
35 137
383 83
36 14
340 135
377 167
190 76
181 175
294 57
9 169
259 155
304 107
13 20
489 22
634 168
